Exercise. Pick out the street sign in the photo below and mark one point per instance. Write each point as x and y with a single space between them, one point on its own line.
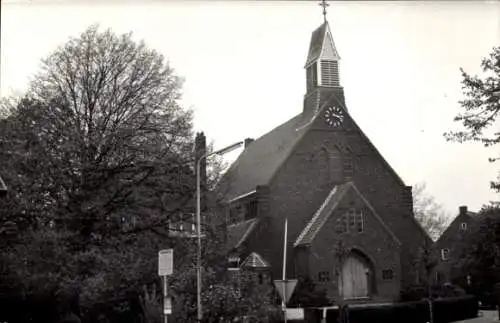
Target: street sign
165 262
167 305
287 287
294 314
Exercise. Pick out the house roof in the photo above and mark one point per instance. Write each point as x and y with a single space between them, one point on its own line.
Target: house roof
473 216
259 161
326 209
254 260
239 232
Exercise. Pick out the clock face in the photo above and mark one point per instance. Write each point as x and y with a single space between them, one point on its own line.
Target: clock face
334 116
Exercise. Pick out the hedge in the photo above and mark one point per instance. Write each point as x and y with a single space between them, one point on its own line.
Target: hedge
444 311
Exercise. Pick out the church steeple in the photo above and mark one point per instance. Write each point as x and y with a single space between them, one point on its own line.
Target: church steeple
322 65
322 72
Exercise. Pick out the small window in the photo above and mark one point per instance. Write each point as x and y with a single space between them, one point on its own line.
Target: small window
261 279
234 263
445 254
324 276
387 274
463 226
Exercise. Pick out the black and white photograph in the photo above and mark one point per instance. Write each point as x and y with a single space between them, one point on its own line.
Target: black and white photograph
217 161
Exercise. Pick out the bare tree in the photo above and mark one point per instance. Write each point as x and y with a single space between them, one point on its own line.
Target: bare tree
428 212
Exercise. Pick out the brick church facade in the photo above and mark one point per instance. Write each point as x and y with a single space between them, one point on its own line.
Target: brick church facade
351 227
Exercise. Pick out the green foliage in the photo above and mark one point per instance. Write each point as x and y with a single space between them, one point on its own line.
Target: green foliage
481 106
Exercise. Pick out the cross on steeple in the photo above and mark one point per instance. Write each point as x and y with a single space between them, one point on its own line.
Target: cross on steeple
324 5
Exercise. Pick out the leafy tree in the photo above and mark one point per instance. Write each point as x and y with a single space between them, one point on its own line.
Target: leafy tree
97 159
481 107
428 212
98 156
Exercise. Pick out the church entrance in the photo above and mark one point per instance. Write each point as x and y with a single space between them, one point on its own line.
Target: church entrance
354 277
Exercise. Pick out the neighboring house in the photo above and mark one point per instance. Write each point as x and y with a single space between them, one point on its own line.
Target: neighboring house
321 172
451 245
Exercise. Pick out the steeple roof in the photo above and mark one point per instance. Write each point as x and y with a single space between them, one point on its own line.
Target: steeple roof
322 45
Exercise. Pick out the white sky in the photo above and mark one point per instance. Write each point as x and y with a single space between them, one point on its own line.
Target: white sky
243 69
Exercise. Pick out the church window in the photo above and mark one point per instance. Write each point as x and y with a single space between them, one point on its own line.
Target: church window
329 73
445 254
348 166
324 276
387 274
355 221
352 222
340 227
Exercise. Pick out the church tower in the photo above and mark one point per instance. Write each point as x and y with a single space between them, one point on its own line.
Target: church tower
322 70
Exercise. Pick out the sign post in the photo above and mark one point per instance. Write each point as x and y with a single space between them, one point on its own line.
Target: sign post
165 268
285 288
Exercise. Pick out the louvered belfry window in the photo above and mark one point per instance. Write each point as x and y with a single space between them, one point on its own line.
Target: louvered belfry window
329 73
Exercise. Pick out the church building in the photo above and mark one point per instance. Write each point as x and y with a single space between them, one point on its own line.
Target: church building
351 227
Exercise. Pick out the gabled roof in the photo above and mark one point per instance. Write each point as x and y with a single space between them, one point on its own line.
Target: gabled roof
259 161
254 260
474 216
326 209
239 232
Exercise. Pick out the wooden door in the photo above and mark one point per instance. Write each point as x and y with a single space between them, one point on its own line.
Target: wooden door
354 279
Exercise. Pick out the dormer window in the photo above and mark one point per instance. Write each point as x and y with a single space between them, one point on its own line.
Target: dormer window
463 226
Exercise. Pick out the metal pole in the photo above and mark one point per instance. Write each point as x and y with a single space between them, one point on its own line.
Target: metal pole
165 295
198 233
284 269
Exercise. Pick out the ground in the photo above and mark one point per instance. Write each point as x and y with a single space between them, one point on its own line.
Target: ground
485 317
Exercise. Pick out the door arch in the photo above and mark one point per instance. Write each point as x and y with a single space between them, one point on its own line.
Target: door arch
355 279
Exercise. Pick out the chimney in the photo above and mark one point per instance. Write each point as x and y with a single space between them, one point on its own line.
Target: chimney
248 141
200 148
462 209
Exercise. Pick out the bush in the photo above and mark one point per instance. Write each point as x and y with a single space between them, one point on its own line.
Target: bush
455 309
420 292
